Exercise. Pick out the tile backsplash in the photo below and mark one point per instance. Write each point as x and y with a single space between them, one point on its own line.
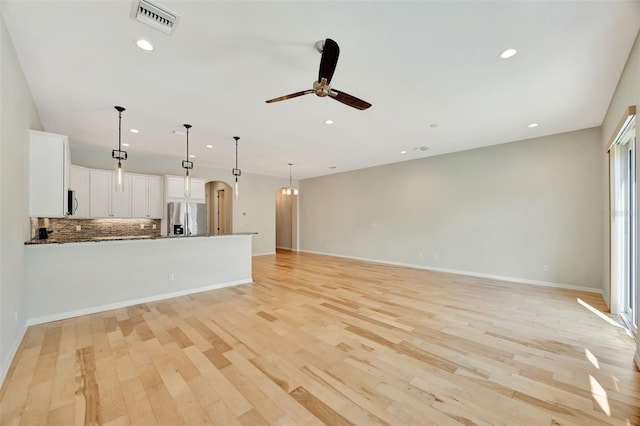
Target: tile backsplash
79 229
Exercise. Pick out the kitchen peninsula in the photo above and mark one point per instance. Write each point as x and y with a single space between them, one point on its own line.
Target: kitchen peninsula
68 279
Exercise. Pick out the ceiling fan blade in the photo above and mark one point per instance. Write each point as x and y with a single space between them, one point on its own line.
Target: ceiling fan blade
292 95
347 99
329 60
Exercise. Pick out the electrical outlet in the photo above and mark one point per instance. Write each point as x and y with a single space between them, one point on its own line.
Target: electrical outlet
545 268
171 276
15 315
435 256
33 233
142 226
326 245
78 227
420 255
153 226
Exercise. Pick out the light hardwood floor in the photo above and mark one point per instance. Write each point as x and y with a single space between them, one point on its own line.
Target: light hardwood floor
318 339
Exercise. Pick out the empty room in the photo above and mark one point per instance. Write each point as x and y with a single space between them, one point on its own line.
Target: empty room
199 226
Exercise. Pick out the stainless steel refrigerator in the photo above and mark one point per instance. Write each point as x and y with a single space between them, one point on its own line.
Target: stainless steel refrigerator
187 219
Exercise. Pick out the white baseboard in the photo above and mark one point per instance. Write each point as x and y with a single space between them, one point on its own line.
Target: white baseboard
263 254
469 273
125 303
12 352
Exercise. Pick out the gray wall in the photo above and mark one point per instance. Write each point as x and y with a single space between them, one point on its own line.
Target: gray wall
506 210
255 211
17 116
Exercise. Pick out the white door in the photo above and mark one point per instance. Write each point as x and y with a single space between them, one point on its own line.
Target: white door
630 241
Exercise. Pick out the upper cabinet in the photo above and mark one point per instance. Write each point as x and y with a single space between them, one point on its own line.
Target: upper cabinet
104 201
174 186
79 177
49 163
146 196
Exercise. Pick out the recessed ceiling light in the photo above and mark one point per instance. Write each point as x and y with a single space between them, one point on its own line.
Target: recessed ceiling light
328 122
403 152
192 156
179 133
144 45
134 130
509 53
332 167
125 144
532 125
433 126
421 148
209 146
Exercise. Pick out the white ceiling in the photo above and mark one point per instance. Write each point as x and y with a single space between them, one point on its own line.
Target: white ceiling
419 64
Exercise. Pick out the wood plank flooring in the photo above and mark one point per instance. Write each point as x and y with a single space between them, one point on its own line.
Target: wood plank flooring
317 339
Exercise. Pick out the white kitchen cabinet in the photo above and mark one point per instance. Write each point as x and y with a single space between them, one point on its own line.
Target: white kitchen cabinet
121 201
104 201
156 204
49 163
100 193
175 190
79 182
146 196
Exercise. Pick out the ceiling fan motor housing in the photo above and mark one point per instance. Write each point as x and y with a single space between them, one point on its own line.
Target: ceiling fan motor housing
321 88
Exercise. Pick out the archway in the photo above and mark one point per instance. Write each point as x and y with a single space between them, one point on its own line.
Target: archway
219 198
286 220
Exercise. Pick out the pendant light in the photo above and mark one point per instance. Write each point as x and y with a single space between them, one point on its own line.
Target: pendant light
119 155
236 172
187 165
290 190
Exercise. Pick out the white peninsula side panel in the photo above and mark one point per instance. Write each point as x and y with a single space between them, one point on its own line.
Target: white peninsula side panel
72 279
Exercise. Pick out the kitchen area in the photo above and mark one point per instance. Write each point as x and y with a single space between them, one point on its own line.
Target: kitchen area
93 248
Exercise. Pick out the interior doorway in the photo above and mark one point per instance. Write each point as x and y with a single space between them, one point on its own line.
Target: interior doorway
219 207
286 220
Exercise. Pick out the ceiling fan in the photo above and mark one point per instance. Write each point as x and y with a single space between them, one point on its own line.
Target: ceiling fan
322 87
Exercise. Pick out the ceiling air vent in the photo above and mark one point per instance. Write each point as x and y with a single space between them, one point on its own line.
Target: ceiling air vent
155 16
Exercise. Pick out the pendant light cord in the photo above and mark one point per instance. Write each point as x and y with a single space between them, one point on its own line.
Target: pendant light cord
119 131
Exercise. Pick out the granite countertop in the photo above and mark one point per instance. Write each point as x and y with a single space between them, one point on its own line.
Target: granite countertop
127 238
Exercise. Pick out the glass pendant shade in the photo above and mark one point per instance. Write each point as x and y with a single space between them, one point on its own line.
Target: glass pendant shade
290 190
187 184
236 191
119 177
